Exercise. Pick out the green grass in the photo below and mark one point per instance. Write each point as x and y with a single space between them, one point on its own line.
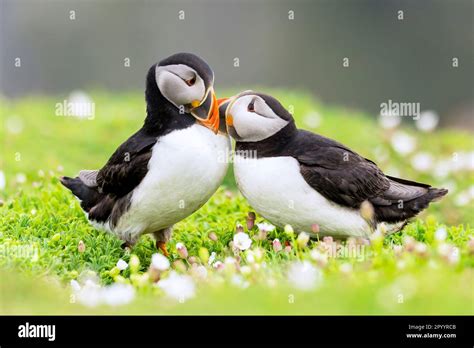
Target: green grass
39 217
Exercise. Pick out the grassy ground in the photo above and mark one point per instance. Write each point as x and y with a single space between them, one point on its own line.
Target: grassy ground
45 240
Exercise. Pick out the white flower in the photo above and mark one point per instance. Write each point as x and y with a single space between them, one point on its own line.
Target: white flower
320 258
441 234
265 227
3 182
449 252
422 162
75 285
230 261
179 287
14 125
403 143
303 239
454 256
81 104
20 178
389 121
239 281
160 262
245 270
303 275
121 264
471 191
462 199
345 268
250 256
118 294
211 258
242 241
90 294
428 121
312 119
218 265
201 272
401 264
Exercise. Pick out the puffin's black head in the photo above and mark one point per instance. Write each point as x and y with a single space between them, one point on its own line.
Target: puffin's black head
223 104
252 117
186 82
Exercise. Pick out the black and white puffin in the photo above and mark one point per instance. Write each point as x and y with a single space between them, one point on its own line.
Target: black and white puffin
170 167
292 176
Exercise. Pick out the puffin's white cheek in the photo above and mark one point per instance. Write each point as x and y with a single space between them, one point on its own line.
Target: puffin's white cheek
252 127
249 125
177 92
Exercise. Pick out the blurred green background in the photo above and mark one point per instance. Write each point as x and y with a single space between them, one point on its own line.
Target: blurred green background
287 44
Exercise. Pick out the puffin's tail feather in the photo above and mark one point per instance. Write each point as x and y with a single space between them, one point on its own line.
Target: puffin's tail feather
401 211
88 196
435 194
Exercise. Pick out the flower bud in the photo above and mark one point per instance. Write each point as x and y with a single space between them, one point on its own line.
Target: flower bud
134 263
182 251
276 245
204 255
303 239
409 243
218 265
115 271
193 260
421 249
470 246
179 266
289 230
250 220
81 247
320 258
212 236
328 239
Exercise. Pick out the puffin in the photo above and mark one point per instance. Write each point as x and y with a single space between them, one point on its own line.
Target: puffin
296 177
170 167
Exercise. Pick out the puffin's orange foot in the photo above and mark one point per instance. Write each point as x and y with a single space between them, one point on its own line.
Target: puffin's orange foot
162 246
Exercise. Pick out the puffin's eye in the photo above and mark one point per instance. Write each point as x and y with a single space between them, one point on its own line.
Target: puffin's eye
251 107
191 82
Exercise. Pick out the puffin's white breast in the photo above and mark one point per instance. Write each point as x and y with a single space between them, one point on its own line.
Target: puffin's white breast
185 169
276 189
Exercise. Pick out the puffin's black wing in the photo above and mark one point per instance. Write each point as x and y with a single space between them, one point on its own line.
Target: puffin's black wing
127 166
335 171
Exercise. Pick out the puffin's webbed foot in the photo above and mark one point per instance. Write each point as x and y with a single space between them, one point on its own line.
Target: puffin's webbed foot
162 246
162 237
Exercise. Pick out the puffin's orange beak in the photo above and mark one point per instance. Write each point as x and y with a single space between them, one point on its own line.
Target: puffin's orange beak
212 120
